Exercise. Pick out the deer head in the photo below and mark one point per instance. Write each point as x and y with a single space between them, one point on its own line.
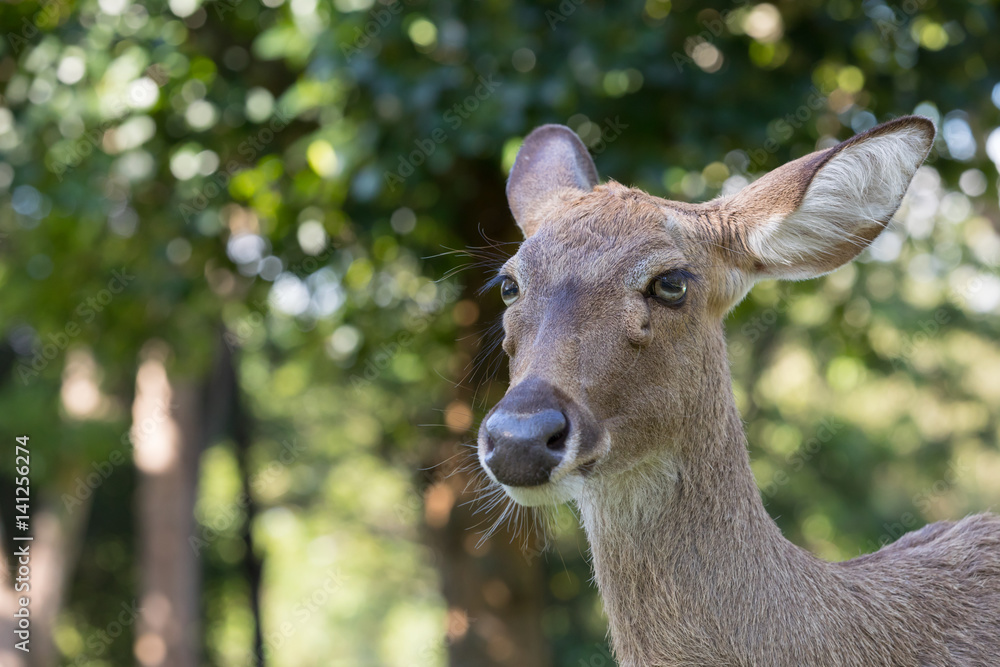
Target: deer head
615 299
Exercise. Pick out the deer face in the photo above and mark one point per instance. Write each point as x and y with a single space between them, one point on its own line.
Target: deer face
615 299
606 304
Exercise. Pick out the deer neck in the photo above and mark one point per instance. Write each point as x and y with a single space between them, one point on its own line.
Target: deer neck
686 556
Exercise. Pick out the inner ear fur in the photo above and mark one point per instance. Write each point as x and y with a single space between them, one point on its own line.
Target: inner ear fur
816 213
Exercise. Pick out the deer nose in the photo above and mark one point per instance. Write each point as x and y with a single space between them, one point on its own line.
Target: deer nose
523 449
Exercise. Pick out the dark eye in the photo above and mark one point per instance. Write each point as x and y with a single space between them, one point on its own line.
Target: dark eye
671 288
509 291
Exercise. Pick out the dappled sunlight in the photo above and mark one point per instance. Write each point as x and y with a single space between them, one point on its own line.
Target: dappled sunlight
155 432
302 198
81 393
878 404
792 381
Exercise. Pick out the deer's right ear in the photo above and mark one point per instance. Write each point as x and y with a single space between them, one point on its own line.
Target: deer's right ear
551 160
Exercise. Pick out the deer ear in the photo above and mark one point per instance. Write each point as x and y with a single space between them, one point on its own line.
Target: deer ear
817 213
552 159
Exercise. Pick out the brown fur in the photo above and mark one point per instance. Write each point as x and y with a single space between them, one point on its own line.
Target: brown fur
692 569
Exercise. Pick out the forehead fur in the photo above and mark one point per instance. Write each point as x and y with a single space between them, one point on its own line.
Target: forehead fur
617 230
612 222
610 211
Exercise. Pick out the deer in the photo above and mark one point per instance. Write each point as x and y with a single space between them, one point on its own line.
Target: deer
620 399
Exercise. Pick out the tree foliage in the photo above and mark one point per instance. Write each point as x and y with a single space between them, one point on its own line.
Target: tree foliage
290 176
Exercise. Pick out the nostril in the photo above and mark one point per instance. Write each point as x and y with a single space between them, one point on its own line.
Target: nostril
490 445
557 441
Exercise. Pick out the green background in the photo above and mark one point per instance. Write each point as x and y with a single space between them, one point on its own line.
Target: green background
307 195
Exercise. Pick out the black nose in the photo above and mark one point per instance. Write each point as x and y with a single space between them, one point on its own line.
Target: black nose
523 449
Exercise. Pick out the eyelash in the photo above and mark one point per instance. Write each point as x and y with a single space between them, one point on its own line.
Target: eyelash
494 283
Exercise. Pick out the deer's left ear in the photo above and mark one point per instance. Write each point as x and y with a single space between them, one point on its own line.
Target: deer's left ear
551 161
816 213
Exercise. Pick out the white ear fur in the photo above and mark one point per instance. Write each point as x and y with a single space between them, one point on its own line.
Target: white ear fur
848 202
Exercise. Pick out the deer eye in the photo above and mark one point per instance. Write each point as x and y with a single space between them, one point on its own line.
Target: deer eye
671 288
509 291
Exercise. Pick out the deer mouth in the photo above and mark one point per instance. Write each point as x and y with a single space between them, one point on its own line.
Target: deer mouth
563 490
585 469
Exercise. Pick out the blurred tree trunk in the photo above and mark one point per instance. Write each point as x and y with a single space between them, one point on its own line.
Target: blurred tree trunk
495 593
168 432
58 535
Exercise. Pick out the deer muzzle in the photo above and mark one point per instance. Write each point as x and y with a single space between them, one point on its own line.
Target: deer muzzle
523 449
536 435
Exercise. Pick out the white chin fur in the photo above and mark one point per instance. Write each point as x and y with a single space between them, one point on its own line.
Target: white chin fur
550 493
